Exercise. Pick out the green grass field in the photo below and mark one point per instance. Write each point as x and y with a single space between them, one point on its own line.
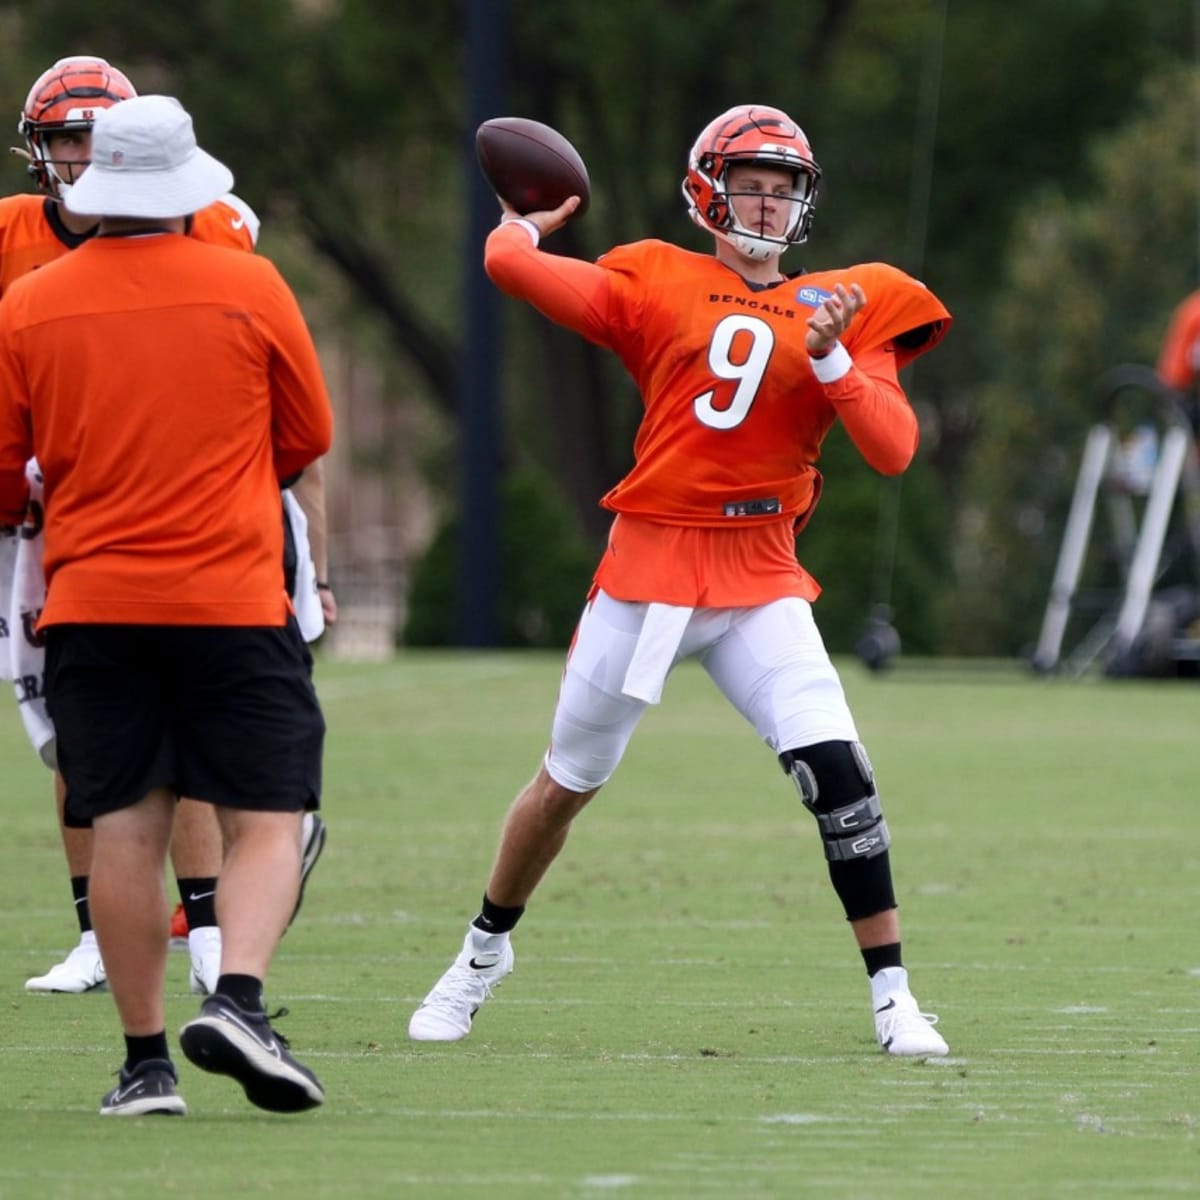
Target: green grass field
688 1017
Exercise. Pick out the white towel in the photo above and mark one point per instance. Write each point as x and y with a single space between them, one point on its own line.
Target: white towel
307 600
8 564
653 656
26 656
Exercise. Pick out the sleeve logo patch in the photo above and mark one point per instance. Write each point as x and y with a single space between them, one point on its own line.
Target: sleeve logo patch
814 297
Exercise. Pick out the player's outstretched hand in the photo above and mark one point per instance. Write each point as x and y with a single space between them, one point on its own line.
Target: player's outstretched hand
833 317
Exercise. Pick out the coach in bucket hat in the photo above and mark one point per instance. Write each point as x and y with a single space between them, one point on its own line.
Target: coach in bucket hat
146 163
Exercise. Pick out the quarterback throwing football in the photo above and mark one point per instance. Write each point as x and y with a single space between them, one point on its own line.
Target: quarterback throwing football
743 370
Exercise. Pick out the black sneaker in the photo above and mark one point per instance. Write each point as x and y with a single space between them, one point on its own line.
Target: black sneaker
227 1040
314 843
149 1088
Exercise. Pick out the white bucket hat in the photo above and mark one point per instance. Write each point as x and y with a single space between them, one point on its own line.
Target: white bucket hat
145 163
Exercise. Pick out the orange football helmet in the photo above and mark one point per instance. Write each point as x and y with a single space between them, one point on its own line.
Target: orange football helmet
67 96
750 133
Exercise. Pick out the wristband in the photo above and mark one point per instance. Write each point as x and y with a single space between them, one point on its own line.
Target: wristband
530 228
323 586
832 366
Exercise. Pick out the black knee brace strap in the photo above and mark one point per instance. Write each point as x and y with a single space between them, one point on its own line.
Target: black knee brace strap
837 786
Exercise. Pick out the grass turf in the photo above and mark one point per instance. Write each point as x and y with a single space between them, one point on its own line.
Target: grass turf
688 1017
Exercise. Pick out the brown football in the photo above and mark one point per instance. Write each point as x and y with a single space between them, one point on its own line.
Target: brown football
530 165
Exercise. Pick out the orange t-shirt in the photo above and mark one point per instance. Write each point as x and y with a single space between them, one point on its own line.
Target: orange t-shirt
165 386
32 233
733 415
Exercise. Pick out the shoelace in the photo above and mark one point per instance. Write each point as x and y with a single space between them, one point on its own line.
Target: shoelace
897 1018
271 1017
159 1065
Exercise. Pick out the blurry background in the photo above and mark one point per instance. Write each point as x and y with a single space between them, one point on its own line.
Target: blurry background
1035 164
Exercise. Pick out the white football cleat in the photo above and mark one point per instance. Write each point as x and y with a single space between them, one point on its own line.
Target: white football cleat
204 946
81 971
900 1025
445 1015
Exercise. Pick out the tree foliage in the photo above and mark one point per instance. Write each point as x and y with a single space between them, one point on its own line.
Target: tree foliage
954 142
1089 284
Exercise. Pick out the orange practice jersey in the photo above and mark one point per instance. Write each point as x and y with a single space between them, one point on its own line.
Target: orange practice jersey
1179 359
165 386
734 416
32 233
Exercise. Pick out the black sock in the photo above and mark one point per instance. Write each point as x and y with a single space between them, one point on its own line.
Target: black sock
139 1049
244 990
79 889
494 918
879 957
199 900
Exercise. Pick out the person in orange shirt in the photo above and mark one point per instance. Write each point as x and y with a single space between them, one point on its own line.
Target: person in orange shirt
743 369
1179 357
174 665
56 123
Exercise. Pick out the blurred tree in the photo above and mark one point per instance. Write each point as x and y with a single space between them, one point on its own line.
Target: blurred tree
1090 284
541 592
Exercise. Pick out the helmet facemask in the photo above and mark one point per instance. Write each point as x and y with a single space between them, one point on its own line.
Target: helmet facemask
43 167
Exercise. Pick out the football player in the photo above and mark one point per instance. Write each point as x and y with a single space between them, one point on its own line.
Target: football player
743 369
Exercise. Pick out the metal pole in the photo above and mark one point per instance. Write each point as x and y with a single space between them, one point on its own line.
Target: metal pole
477 594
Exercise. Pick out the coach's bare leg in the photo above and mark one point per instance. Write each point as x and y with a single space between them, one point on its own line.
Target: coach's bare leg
535 830
257 887
196 849
128 899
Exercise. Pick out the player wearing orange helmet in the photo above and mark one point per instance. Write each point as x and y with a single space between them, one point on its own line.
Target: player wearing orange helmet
743 369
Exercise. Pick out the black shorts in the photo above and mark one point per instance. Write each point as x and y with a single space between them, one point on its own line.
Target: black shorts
218 713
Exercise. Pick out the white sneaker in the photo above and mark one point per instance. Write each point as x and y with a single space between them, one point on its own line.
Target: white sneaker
81 971
446 1013
204 946
900 1025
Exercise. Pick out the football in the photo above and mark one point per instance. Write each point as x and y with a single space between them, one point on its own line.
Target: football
531 166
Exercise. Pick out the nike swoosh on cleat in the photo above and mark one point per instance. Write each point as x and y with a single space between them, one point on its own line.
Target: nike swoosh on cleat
271 1047
890 1004
202 895
475 965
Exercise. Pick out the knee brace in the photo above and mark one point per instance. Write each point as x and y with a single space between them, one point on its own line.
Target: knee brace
837 786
